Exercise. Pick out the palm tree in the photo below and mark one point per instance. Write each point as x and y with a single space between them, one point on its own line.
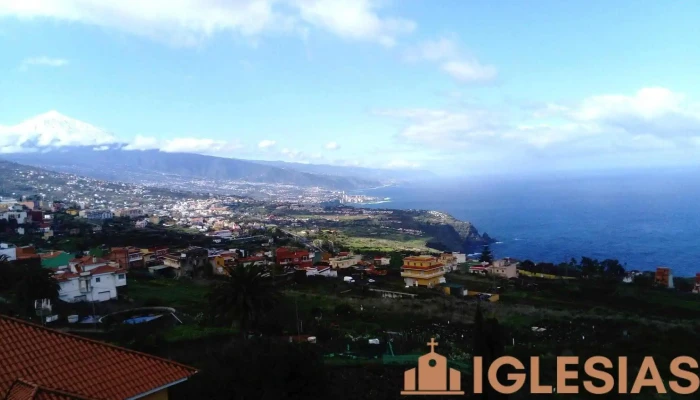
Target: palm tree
244 297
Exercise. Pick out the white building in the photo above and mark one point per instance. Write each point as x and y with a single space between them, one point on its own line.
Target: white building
223 234
89 279
343 260
321 271
96 214
20 216
378 261
10 250
141 223
460 257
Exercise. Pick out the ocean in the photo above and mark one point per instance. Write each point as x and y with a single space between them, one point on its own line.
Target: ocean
644 219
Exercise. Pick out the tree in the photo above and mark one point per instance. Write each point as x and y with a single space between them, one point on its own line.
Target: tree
244 297
7 274
486 255
396 261
258 369
590 268
612 269
488 344
34 283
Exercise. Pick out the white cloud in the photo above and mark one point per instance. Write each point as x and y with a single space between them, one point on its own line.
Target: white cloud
293 154
266 144
469 71
43 61
433 50
650 121
189 22
332 146
52 129
202 146
446 52
446 129
353 19
402 164
143 143
185 145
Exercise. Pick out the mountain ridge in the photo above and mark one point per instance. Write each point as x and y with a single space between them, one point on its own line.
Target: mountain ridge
57 142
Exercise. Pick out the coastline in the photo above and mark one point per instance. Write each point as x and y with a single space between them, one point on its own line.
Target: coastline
546 226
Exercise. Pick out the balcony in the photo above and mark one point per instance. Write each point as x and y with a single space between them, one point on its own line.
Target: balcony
84 285
408 273
135 257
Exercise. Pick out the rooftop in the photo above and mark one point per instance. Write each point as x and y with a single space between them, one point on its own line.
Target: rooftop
419 258
64 366
105 269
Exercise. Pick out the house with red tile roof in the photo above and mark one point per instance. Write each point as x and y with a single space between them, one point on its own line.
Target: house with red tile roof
293 257
45 364
89 279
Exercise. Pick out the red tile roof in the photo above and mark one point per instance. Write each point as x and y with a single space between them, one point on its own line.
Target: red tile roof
88 260
60 364
104 269
23 390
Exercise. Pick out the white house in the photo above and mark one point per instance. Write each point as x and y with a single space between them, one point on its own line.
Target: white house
223 234
20 216
141 223
89 279
96 214
378 261
10 250
460 258
321 271
343 260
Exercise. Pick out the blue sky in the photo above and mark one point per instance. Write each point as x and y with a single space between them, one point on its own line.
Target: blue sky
454 86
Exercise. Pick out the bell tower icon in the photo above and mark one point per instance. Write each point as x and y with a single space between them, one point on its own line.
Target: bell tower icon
433 376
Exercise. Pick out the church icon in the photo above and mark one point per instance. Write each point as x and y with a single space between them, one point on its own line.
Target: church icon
432 377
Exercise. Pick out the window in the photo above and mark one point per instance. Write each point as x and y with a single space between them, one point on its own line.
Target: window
97 280
120 276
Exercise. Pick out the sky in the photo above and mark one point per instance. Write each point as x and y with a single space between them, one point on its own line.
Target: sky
457 87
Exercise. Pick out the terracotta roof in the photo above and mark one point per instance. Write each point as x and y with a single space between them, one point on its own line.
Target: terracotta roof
105 269
88 260
59 364
419 258
23 390
54 254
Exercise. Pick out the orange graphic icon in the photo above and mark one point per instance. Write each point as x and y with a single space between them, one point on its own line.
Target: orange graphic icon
431 376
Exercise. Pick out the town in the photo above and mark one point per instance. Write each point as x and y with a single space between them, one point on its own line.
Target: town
174 273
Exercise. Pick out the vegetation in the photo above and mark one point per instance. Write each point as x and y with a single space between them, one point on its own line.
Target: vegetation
486 255
23 282
244 297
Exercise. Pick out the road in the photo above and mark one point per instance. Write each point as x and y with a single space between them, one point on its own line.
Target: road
303 240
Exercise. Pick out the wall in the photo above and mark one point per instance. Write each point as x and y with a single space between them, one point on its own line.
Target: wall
108 283
11 253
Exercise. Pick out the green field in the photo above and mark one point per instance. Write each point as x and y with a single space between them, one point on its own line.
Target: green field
193 332
183 295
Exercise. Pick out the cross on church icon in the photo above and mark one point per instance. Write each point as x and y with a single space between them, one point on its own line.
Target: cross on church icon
431 376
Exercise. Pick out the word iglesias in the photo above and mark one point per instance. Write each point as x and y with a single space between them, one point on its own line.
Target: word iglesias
598 380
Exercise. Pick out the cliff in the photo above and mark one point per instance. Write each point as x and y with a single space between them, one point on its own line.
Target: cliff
449 233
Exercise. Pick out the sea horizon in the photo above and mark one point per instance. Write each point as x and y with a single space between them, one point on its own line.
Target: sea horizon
644 219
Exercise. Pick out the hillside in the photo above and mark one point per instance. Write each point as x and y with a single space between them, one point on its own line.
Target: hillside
348 171
140 166
21 180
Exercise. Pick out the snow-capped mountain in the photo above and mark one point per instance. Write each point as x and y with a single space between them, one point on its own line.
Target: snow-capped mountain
51 130
60 143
